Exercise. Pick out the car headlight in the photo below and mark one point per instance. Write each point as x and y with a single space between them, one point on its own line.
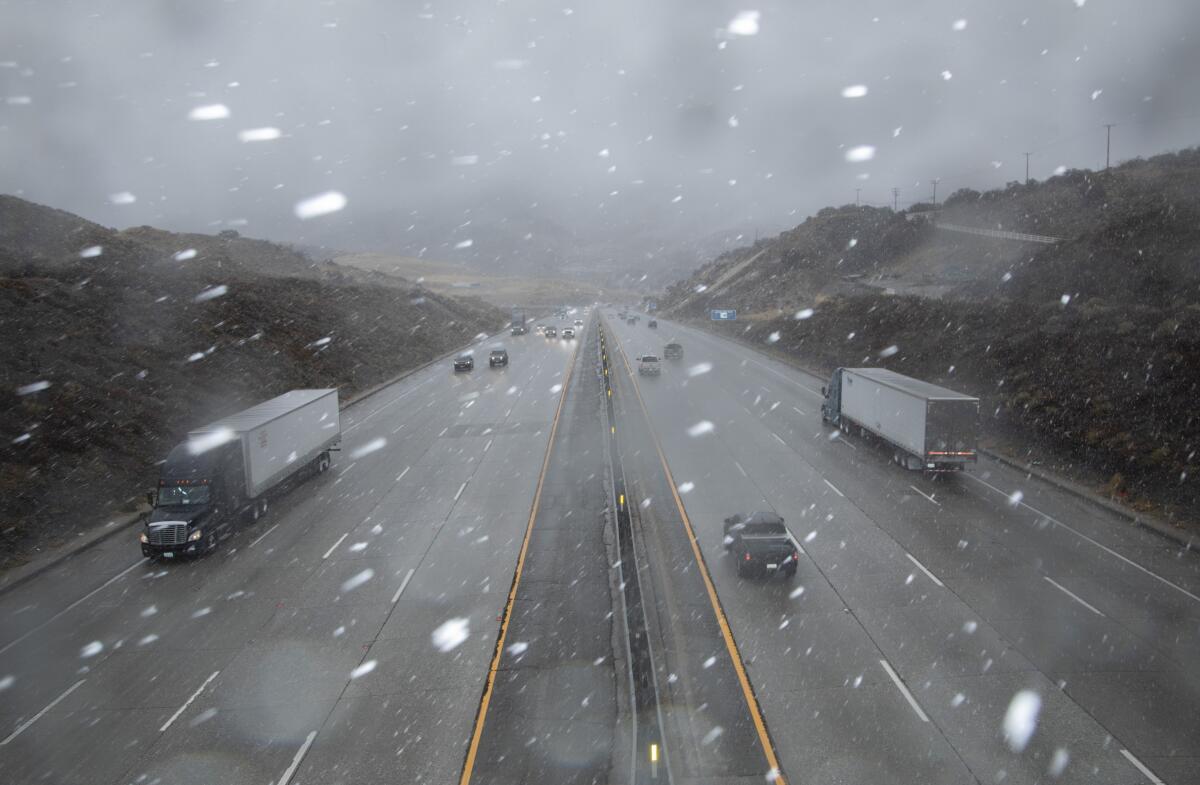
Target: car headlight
143 537
196 535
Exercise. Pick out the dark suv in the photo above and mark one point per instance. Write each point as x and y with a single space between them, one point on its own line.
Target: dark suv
760 543
498 358
464 362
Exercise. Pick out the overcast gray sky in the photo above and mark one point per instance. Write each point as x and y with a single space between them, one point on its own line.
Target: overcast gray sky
618 125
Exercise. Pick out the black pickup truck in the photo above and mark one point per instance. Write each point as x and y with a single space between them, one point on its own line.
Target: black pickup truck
761 545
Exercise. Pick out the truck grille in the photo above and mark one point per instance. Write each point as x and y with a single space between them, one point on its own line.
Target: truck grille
170 534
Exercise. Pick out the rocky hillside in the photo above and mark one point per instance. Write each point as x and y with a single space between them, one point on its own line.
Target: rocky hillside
112 356
1086 352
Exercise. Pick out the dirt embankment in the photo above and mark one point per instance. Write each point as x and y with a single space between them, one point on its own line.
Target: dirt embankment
1086 353
132 349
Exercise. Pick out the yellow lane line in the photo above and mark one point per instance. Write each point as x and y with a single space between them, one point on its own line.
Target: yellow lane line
734 654
472 751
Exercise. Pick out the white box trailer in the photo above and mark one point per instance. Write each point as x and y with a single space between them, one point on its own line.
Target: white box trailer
929 427
225 469
280 436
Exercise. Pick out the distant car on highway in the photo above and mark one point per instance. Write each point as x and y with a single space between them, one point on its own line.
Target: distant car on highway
464 362
579 322
761 545
519 329
631 320
648 365
568 333
550 332
498 358
673 351
652 324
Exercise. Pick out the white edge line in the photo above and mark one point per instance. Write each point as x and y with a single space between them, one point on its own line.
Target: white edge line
923 569
927 496
1142 767
291 770
443 433
797 411
1083 536
264 534
904 691
73 605
38 716
740 469
487 446
831 485
461 488
333 548
400 476
183 708
403 585
1072 595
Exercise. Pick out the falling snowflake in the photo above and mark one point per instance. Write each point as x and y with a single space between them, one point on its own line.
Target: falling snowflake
211 293
947 76
374 445
122 197
321 204
91 252
209 112
464 244
861 153
700 428
854 91
451 634
889 351
363 670
959 25
745 23
91 650
30 389
184 255
686 487
358 580
1020 721
265 134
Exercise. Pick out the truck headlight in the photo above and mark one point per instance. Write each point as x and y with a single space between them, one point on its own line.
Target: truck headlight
143 537
195 536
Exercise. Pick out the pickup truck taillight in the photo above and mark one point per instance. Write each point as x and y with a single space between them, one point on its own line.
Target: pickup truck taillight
747 557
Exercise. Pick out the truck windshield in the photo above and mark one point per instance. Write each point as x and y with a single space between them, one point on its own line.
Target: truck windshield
183 495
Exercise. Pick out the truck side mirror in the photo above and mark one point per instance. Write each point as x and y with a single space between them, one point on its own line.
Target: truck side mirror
150 498
823 393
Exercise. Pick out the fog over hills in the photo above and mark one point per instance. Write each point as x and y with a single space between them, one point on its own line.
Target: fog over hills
603 138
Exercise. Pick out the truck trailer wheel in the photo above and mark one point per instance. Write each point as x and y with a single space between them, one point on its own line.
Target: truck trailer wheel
258 510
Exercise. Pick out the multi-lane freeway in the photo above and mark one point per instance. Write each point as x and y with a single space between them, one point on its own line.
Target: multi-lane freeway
452 603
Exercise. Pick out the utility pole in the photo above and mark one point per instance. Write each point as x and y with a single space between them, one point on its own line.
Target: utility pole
1027 167
1108 145
895 200
857 202
935 181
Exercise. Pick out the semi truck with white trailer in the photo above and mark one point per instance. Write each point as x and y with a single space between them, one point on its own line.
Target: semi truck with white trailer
928 427
224 471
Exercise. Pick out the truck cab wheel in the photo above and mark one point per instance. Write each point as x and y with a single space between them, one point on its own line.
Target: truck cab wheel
258 509
211 542
323 463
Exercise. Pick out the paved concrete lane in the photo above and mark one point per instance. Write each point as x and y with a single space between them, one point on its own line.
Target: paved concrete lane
552 714
278 652
944 592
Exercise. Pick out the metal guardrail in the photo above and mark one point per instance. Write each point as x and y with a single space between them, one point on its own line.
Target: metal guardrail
999 233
